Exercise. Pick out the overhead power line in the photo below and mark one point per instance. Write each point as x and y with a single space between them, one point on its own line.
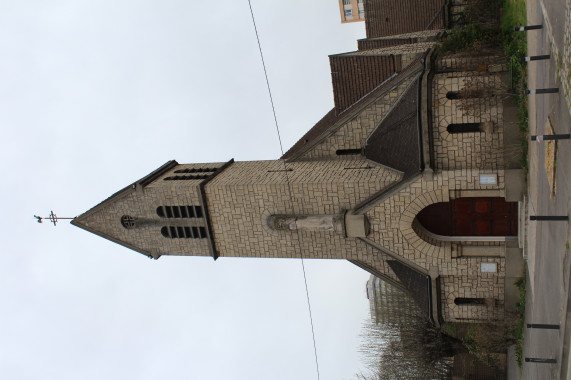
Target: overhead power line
288 186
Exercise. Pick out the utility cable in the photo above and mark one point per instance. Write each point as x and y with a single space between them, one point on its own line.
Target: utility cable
289 188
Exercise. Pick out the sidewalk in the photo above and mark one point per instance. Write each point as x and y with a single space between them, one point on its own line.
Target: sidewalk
548 259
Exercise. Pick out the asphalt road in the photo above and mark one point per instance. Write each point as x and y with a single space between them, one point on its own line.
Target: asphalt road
548 259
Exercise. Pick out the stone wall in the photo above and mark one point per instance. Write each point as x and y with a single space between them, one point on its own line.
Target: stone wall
352 134
393 229
244 196
470 149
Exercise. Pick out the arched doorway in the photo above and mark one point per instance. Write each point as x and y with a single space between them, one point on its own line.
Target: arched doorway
471 217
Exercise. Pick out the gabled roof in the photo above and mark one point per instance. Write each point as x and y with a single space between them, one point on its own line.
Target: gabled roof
396 40
80 221
132 187
354 76
390 17
332 120
396 141
418 285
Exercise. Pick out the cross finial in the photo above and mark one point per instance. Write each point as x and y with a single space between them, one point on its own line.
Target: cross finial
52 218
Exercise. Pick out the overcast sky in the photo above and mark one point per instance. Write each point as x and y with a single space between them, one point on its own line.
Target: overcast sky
96 94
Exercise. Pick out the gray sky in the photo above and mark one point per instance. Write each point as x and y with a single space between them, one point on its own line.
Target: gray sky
96 94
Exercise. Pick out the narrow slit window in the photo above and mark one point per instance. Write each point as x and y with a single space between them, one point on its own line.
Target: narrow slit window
347 152
198 211
453 95
470 301
185 177
463 128
465 94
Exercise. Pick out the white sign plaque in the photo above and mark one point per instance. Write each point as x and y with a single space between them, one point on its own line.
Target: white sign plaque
488 267
488 179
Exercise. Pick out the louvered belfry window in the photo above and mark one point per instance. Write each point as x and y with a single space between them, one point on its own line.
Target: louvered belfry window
179 211
197 173
186 232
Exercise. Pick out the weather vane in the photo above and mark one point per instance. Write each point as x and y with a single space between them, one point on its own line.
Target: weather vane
52 218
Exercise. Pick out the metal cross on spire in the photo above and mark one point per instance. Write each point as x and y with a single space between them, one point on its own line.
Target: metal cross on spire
52 218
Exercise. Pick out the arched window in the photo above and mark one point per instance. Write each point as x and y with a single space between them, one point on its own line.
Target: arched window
466 94
453 95
347 152
179 211
463 128
470 301
183 232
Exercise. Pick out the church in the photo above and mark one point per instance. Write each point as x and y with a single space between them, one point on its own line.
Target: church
407 177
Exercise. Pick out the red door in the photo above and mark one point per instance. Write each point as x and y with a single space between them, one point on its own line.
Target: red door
471 217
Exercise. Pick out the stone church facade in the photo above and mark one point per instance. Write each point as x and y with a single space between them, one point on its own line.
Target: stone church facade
406 177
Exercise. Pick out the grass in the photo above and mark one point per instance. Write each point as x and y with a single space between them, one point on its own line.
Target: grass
515 47
520 327
468 38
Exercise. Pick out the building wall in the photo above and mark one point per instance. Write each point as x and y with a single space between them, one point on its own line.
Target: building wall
244 196
470 149
353 133
392 228
354 6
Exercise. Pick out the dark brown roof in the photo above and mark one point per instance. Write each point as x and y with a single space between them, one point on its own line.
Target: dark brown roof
396 141
377 43
331 118
418 285
354 76
390 17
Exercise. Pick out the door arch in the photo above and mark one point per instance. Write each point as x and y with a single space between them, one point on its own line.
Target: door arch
489 216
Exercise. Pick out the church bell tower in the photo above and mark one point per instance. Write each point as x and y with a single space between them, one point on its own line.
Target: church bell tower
243 209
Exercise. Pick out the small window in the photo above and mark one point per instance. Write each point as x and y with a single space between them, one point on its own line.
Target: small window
127 221
346 2
470 301
185 177
470 94
347 152
348 13
463 128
